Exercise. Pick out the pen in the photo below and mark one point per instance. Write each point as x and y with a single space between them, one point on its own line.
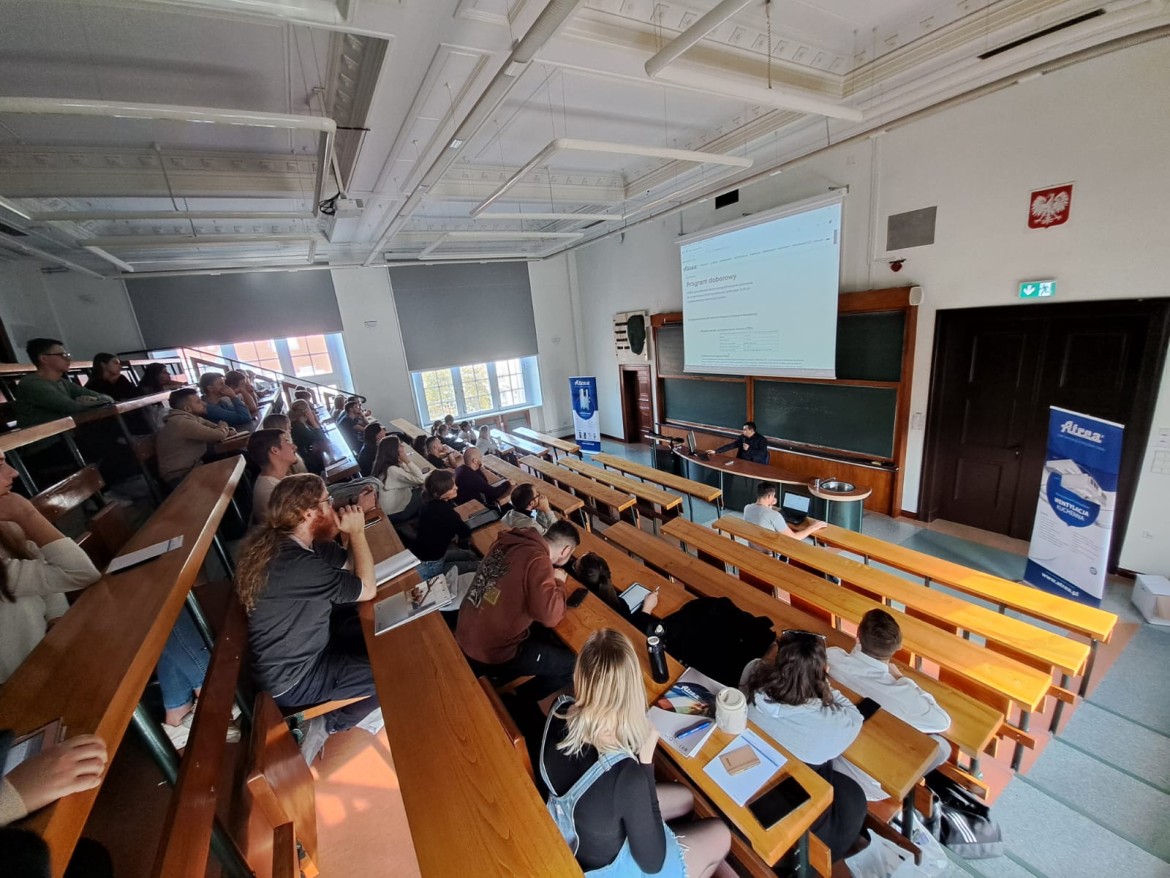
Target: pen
690 730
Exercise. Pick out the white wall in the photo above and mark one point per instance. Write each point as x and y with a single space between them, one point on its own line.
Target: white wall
1103 124
553 308
373 341
24 306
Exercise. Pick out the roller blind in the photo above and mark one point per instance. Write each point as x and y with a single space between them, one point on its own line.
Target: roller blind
455 315
204 309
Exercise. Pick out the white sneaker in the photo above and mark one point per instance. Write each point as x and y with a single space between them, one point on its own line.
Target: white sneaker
181 732
313 739
373 722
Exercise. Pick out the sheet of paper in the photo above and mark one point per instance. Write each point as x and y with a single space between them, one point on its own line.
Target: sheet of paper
150 552
743 786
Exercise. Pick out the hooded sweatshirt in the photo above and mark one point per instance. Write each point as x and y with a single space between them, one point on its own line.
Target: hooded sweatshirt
183 441
513 588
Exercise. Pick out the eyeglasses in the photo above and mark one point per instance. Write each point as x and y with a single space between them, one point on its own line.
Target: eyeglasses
64 354
797 633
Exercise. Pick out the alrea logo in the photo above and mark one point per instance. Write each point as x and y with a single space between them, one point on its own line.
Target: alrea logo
1081 432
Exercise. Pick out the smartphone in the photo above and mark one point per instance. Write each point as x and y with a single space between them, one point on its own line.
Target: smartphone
577 597
867 707
778 802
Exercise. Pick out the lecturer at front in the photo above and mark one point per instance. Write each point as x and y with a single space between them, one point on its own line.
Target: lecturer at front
751 445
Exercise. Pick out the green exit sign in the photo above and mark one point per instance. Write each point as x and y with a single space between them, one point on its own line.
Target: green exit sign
1037 289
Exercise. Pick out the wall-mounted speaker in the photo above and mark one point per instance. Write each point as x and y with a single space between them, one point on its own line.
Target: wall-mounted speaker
631 336
915 295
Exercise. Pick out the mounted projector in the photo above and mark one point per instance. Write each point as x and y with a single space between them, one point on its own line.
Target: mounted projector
631 336
343 224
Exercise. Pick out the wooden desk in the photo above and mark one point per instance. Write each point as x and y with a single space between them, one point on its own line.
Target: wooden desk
1032 645
998 674
607 503
15 439
625 571
973 723
1094 623
562 501
521 445
404 426
688 487
471 806
725 462
654 501
550 441
92 666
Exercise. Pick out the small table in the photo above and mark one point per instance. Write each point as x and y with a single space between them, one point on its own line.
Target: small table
838 502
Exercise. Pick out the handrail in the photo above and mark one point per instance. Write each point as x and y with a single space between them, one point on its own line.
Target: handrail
277 377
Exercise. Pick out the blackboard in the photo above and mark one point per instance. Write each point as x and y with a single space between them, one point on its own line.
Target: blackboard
858 419
718 403
869 346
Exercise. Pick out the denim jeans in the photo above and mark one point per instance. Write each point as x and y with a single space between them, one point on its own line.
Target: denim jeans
183 663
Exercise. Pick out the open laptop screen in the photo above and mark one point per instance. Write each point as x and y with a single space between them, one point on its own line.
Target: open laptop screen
692 445
796 503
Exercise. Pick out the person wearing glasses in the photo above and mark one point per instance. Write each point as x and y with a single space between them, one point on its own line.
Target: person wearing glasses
299 588
47 395
790 698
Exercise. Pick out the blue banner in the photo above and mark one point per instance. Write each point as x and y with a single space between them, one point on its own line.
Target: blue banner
586 421
1074 518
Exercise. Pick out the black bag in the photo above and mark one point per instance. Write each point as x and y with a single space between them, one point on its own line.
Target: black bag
716 637
964 822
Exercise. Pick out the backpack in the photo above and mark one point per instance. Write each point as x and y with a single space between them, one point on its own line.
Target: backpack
562 807
965 825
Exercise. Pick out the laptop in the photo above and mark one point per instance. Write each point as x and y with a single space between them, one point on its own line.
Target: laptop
693 446
794 508
487 516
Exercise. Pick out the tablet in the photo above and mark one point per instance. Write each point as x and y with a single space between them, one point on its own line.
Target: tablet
635 596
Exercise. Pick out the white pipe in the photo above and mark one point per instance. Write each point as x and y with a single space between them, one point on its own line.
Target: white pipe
133 242
520 215
497 236
550 20
57 216
190 272
780 98
326 129
36 251
568 144
110 258
694 34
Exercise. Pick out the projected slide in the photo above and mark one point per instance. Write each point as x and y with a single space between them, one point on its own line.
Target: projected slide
762 299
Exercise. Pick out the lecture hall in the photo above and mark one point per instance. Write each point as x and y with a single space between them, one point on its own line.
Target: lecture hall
540 438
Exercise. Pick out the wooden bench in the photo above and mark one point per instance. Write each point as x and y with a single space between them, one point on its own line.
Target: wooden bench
601 500
521 445
562 501
552 442
973 724
411 430
125 620
1091 622
654 502
691 489
13 440
1035 646
625 571
69 493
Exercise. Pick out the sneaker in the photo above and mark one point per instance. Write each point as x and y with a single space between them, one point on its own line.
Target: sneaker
181 732
373 722
313 738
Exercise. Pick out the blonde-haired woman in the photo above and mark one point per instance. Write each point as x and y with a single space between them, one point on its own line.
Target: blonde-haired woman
598 752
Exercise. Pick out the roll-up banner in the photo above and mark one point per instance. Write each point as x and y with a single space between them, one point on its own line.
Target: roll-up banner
586 421
1074 518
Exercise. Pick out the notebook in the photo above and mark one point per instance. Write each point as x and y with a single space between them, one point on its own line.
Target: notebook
795 508
414 603
395 565
742 786
133 559
690 699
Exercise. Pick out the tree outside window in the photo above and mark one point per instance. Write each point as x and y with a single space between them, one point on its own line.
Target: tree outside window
439 390
510 378
477 388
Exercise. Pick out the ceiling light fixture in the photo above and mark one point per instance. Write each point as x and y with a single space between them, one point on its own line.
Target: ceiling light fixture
519 215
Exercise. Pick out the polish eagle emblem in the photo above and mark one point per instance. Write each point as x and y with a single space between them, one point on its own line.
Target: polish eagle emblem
1049 207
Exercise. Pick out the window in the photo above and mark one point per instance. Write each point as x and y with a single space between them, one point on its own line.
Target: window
262 354
310 356
477 389
510 376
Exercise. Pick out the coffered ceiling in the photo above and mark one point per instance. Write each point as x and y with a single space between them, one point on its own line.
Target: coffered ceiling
188 135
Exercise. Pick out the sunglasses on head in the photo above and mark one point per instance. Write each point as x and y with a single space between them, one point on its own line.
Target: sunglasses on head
798 634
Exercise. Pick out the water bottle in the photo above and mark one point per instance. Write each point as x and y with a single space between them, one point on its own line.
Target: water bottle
658 668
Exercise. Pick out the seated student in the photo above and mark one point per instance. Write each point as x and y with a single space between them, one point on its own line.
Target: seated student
439 527
401 480
593 573
517 595
750 446
310 441
284 425
789 697
763 514
487 445
275 453
472 484
237 382
441 457
529 509
348 426
38 566
466 434
46 395
222 402
619 816
156 379
868 671
292 580
338 407
186 433
371 436
105 376
419 444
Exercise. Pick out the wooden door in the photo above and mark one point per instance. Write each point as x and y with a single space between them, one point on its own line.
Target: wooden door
997 372
637 412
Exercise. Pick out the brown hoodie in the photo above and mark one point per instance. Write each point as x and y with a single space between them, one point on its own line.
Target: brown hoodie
182 442
514 587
